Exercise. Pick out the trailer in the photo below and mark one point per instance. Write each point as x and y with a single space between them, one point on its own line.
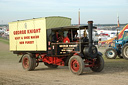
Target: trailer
47 40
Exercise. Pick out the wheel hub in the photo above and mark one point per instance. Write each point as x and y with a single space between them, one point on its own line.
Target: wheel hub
75 65
110 53
25 62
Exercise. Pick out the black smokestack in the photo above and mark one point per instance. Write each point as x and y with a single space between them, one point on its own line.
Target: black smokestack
91 50
90 28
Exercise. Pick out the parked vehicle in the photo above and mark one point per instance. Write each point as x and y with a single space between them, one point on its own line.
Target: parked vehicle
118 47
37 42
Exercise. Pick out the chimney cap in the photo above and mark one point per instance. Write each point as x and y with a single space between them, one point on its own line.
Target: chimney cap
89 22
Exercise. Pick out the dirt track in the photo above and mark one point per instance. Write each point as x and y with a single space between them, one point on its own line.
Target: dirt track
11 73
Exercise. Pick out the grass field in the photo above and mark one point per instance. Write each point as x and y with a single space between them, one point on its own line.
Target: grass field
5 54
4 40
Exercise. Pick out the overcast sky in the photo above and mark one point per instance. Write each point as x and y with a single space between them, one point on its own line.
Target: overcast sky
100 11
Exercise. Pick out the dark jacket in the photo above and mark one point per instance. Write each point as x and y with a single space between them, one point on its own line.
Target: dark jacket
54 38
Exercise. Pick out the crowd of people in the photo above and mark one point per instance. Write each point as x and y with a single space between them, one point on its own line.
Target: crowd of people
4 35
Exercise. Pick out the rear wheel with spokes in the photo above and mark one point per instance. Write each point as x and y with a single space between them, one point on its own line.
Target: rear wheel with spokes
28 62
99 64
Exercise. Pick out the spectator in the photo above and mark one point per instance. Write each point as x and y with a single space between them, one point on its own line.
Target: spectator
85 38
69 35
55 37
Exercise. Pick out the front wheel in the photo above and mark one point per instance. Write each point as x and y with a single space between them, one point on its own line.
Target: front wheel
99 64
125 51
111 53
76 65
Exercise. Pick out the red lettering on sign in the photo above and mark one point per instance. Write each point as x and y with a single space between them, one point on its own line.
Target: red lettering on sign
19 32
17 38
21 42
22 38
28 31
26 37
29 42
35 37
33 31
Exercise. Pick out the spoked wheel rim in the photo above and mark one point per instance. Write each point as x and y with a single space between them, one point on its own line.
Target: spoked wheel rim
110 53
126 51
25 62
75 65
99 64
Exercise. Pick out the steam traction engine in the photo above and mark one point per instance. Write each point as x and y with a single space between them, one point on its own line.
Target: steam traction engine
76 54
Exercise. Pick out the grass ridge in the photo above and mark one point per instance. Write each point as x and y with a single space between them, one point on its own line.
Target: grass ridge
4 40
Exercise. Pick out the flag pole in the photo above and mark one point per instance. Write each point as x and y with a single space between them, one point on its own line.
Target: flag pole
79 17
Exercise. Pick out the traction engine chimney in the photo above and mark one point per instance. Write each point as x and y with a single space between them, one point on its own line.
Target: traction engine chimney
90 28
